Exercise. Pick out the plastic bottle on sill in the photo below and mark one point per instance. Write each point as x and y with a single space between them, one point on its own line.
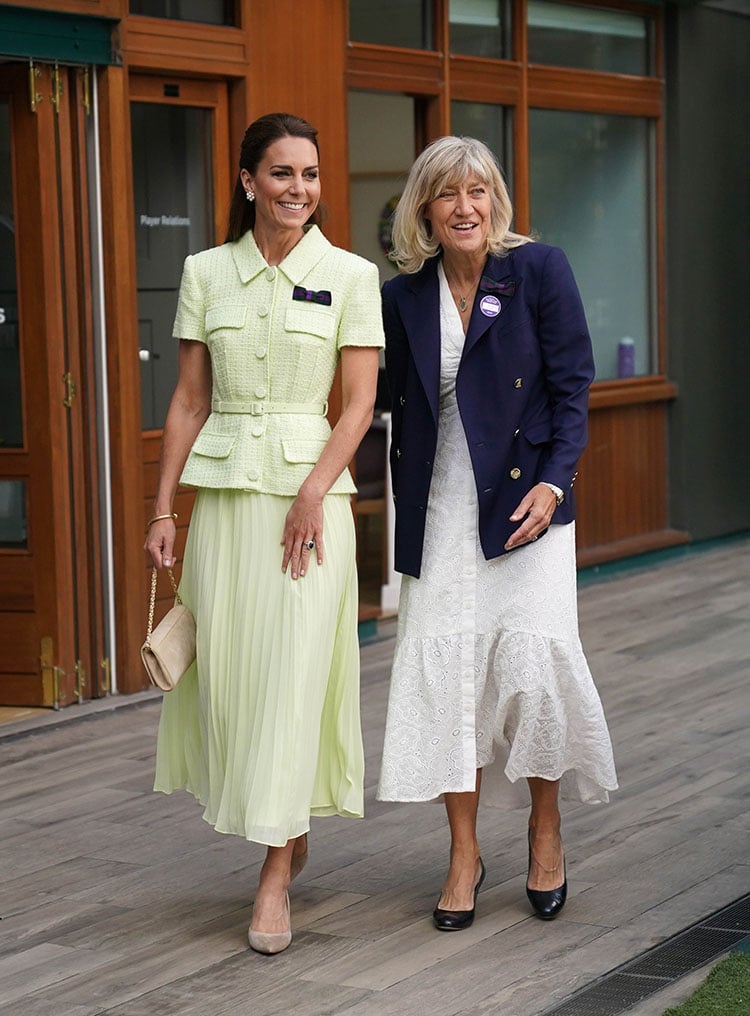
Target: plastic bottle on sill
626 357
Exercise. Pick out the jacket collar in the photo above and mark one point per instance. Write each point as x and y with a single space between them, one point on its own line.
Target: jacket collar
300 260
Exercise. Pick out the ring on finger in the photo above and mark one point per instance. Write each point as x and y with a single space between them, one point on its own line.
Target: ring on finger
309 544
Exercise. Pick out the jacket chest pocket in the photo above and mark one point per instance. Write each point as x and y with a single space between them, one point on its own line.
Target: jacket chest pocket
310 323
229 317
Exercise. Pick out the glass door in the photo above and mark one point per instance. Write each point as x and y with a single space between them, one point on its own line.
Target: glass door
181 186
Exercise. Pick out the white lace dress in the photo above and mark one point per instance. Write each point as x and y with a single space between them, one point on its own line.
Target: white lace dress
488 658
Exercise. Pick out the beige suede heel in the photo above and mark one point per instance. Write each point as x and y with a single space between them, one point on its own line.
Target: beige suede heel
270 943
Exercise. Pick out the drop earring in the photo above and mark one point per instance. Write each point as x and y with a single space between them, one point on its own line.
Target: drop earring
250 196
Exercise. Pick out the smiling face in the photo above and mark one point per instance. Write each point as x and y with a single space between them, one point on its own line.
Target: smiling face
460 217
286 185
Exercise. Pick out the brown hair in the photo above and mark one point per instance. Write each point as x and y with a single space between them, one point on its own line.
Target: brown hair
258 137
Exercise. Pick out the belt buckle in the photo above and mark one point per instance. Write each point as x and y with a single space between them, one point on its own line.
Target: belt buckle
257 408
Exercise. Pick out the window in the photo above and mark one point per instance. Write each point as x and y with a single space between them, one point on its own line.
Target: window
590 39
172 185
488 123
480 28
591 194
405 23
207 12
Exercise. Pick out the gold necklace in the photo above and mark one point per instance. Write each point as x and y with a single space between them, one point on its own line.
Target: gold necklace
461 301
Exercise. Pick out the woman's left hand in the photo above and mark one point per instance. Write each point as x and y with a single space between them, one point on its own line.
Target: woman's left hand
303 525
538 508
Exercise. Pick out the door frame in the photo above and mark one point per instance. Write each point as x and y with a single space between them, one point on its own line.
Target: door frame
134 453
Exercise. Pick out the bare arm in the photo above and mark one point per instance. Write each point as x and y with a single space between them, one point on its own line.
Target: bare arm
304 522
188 411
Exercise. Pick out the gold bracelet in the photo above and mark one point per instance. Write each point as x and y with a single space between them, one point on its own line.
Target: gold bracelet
158 518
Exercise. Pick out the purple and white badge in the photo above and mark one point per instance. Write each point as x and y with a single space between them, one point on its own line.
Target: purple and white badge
490 306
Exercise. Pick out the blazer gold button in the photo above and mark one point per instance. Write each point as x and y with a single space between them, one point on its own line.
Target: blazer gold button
518 383
515 473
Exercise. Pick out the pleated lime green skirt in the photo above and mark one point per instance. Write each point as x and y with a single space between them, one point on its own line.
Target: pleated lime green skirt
264 728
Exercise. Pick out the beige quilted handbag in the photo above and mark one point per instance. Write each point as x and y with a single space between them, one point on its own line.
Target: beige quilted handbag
169 648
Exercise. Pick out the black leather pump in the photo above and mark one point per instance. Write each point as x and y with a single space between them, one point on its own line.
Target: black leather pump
457 920
547 903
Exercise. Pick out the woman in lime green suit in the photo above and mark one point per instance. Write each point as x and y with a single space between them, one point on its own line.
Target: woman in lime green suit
264 729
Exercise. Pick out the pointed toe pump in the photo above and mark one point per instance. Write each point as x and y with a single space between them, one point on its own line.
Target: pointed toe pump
547 903
457 920
270 943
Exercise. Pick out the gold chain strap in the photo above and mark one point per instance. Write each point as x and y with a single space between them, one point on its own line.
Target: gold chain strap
152 600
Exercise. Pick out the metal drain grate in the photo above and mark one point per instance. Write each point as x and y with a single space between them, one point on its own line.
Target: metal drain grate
629 984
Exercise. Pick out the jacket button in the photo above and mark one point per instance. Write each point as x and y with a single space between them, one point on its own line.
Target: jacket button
262 311
515 473
257 432
252 475
398 453
518 383
260 392
260 352
402 400
516 432
488 490
270 273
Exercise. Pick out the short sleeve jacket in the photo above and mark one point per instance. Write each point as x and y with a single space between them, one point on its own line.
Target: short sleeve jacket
274 334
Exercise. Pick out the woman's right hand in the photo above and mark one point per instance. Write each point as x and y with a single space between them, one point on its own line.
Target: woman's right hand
160 542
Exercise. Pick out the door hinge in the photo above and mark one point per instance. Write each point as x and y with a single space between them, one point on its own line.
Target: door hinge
80 682
71 389
34 97
57 88
106 682
51 674
86 90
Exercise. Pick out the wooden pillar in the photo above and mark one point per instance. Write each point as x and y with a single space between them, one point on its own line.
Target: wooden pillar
123 374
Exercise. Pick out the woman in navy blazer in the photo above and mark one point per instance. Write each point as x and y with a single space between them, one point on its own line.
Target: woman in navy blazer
489 363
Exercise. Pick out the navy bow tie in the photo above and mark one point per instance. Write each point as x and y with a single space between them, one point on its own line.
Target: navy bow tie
309 295
488 285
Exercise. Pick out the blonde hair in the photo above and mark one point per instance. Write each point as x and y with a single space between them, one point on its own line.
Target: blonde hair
446 162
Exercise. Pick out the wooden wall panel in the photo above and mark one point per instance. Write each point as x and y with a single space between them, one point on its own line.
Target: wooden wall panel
621 490
306 75
184 47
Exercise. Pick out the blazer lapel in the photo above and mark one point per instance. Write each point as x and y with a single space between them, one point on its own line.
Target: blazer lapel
495 291
420 310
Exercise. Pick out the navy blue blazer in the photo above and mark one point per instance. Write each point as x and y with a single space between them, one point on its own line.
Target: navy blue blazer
522 390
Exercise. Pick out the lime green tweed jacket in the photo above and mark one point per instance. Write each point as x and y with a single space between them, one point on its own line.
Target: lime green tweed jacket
274 335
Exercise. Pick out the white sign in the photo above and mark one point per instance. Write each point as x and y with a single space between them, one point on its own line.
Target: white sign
164 220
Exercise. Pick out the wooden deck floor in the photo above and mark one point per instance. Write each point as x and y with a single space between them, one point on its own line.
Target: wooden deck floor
116 900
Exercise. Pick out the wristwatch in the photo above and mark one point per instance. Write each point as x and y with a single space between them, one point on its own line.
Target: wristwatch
559 494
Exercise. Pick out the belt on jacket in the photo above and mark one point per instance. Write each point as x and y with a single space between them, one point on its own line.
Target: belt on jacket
261 408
